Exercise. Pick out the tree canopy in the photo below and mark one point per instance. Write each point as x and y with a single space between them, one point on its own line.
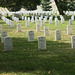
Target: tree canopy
46 5
16 5
63 5
72 6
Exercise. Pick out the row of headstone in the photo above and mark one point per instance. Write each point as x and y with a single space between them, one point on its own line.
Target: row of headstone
46 32
11 23
7 41
69 13
8 21
47 13
44 12
42 39
44 20
46 28
58 32
15 19
37 12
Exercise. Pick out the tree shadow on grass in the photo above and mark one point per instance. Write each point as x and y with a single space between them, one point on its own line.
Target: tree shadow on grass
22 44
26 57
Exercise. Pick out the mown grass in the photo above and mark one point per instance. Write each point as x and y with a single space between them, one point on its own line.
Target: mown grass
26 59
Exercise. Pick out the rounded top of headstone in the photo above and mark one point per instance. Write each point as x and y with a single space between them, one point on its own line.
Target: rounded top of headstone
42 37
57 30
31 31
8 37
4 32
73 36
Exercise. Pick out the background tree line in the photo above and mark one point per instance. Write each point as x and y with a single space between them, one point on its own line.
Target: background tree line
16 5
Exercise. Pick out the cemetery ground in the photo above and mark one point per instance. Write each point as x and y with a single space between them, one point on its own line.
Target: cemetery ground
26 59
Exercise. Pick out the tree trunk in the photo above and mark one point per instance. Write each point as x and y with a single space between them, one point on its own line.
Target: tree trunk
57 4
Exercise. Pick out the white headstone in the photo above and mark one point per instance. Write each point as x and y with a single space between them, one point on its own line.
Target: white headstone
57 22
25 18
62 20
29 19
46 30
70 22
61 16
52 16
57 35
17 20
12 23
8 44
38 28
55 15
37 21
9 22
42 43
69 29
22 17
19 28
0 28
27 23
73 41
72 17
32 20
73 14
50 20
44 19
3 35
68 14
30 36
56 19
49 13
42 22
39 18
35 17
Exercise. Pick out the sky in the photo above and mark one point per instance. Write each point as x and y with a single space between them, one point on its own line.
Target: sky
51 0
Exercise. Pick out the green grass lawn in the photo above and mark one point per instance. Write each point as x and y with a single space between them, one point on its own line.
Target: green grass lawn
26 59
